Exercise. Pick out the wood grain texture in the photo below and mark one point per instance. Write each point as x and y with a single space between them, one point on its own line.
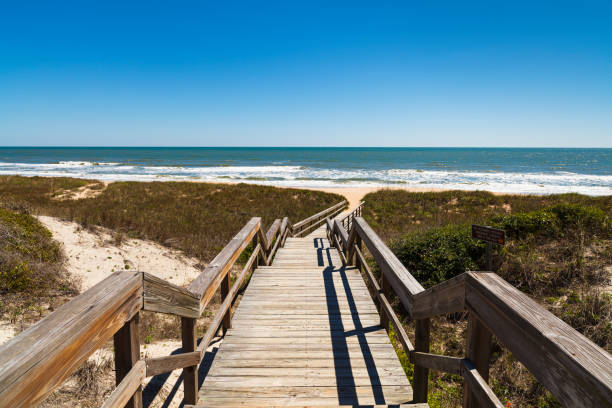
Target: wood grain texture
127 355
227 302
62 341
161 365
165 297
131 383
404 284
575 370
479 387
206 284
306 332
443 298
437 362
478 351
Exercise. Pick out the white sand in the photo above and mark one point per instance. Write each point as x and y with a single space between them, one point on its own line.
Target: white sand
92 257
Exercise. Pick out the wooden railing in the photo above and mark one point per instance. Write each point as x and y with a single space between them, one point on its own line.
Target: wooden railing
574 369
301 228
347 222
38 360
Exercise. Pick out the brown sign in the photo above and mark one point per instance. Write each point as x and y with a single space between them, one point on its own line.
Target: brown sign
489 234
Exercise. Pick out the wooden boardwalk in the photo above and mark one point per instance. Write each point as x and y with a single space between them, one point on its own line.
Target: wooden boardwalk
306 332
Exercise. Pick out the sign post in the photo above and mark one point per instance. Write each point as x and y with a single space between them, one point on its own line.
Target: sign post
490 236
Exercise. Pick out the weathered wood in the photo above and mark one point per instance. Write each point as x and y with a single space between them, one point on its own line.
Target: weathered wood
574 369
479 387
63 340
421 374
341 234
227 302
165 297
161 365
445 297
127 354
385 290
437 362
478 351
318 215
397 325
131 383
272 231
226 323
305 323
404 284
304 229
190 373
209 280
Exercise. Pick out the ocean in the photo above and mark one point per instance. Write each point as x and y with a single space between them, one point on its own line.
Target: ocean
505 170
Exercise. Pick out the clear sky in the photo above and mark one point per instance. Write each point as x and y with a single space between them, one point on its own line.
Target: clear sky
289 73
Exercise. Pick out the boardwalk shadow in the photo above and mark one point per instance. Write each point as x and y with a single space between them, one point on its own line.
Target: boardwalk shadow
345 380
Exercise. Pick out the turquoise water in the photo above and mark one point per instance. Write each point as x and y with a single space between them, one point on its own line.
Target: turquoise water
542 171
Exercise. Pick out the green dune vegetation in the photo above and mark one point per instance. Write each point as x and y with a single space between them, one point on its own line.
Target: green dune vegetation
197 218
559 251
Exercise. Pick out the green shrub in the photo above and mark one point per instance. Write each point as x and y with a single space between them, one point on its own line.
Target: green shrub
591 219
520 224
438 254
559 219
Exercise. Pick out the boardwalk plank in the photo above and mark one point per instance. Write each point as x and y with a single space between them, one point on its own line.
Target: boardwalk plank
306 333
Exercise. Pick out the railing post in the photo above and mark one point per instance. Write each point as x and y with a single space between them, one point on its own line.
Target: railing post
225 288
357 261
421 374
127 353
190 374
478 350
386 289
254 245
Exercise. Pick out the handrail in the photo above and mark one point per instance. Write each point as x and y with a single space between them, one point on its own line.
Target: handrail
347 221
574 369
305 225
37 361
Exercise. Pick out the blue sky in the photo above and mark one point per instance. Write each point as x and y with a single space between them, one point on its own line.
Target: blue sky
157 73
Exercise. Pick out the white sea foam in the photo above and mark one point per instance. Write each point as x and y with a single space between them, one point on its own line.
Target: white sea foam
298 176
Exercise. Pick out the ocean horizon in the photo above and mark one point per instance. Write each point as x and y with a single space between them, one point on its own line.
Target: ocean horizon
503 170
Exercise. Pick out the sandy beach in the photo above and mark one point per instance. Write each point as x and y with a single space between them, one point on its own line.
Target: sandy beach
354 195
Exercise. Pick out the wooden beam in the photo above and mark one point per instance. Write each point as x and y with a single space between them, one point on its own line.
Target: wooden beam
217 319
318 215
478 351
131 383
165 297
225 290
127 354
437 362
272 232
404 284
206 284
190 373
421 374
161 365
63 340
574 369
481 390
445 297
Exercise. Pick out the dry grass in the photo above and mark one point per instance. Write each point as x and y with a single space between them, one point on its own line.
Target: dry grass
198 218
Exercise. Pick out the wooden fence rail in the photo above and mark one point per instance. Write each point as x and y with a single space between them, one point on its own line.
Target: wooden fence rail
574 369
308 224
38 360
